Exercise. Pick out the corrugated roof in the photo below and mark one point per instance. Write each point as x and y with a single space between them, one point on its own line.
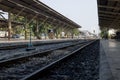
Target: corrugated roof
109 13
34 7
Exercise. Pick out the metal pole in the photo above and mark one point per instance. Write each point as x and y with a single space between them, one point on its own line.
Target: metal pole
25 28
30 46
9 25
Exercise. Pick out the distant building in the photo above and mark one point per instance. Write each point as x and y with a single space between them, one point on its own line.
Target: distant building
3 34
87 35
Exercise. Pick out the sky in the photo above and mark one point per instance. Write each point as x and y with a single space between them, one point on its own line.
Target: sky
82 12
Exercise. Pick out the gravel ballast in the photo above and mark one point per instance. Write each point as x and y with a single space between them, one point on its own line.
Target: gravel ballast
83 66
25 67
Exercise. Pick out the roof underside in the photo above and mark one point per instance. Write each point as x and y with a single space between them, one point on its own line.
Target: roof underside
33 8
109 13
3 23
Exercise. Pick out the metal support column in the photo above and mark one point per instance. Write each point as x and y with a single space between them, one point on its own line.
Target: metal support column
61 35
68 31
25 28
57 30
72 33
9 25
37 29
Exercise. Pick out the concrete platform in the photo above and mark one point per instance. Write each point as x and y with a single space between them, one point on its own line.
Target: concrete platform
14 53
110 60
13 42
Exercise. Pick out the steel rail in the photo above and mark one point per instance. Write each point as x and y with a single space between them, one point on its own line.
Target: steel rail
41 72
35 53
9 47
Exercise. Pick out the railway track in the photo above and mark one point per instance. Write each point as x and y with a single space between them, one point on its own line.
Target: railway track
14 53
57 74
18 68
11 46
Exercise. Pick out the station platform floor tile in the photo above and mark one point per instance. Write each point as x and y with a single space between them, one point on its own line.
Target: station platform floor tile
111 51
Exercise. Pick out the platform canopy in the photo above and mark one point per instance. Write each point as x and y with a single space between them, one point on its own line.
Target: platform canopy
3 23
35 8
109 13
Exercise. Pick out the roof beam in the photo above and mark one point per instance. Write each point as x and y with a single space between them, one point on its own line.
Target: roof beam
114 13
19 13
107 18
103 15
114 0
115 21
110 7
109 15
1 0
21 7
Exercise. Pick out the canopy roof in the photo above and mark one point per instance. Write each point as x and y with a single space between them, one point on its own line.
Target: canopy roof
4 21
31 8
109 13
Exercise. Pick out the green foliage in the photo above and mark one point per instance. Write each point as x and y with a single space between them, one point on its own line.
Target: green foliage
76 31
104 33
36 31
2 29
57 31
42 28
18 30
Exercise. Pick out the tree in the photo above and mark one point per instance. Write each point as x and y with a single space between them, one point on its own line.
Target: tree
104 33
76 31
